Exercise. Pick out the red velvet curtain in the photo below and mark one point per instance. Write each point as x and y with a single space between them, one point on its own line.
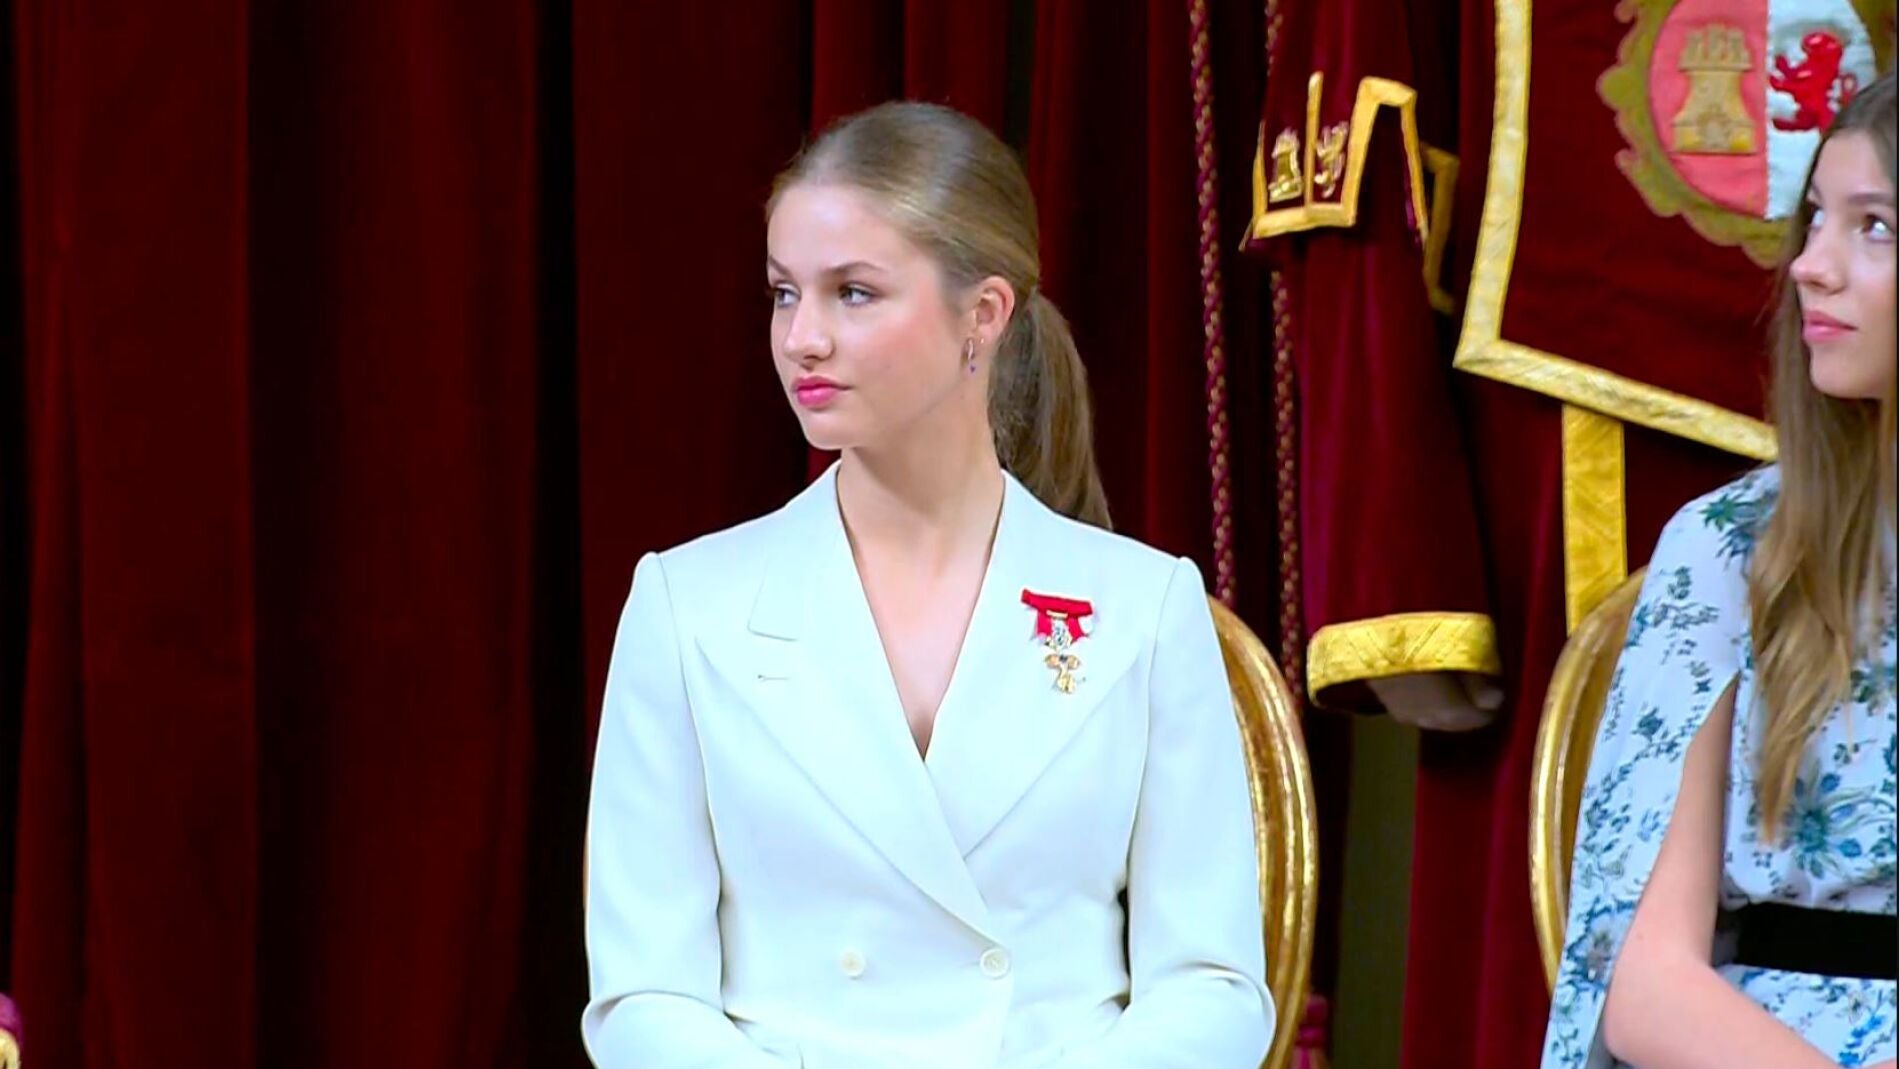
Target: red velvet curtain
362 348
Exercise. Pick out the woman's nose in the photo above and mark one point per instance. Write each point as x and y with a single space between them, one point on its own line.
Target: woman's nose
806 338
1817 266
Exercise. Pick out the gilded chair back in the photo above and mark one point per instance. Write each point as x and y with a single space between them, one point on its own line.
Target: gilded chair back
1285 824
1579 688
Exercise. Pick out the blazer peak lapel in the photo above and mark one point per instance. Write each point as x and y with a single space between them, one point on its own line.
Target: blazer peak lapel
838 714
1004 721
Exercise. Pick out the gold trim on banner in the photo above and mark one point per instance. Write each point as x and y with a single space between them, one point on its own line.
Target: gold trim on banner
1595 524
1373 93
1399 644
1481 349
1442 167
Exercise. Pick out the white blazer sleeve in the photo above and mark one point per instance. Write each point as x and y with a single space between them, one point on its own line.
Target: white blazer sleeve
653 879
1195 941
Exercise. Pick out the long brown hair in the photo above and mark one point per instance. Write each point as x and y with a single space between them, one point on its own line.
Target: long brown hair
958 192
1817 574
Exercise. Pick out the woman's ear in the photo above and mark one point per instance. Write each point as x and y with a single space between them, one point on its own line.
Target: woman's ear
995 303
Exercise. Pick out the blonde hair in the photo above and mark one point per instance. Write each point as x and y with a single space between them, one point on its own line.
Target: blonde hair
957 192
1815 582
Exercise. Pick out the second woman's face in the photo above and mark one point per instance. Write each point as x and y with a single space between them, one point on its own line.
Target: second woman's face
1847 276
864 341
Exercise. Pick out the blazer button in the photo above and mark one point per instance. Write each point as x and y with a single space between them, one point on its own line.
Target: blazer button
851 964
995 963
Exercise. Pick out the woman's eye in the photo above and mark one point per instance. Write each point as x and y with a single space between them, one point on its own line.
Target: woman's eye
854 295
1876 228
1817 219
783 296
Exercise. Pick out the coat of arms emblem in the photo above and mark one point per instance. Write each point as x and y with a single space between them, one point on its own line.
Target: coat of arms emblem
1722 104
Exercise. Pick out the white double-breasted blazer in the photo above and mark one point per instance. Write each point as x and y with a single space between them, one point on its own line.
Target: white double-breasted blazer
777 878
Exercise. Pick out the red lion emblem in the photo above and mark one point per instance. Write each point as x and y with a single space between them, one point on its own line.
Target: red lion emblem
1810 82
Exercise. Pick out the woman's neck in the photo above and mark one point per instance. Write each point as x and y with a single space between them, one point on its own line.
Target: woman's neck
926 500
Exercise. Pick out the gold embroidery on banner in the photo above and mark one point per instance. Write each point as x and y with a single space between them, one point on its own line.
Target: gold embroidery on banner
1331 168
1402 643
1482 351
1287 183
1595 513
1315 94
1345 165
1625 88
1373 93
1260 196
1714 120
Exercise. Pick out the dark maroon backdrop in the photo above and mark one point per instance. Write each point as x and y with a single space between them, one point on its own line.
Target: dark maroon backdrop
361 348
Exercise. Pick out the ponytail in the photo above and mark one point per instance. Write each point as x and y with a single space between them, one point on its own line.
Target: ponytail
1039 408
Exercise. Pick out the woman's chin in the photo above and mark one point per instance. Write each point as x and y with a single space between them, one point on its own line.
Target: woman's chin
825 434
1849 375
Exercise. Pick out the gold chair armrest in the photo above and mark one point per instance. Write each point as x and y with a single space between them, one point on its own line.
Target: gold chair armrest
1572 709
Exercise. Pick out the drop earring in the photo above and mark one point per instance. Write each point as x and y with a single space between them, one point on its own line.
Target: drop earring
969 354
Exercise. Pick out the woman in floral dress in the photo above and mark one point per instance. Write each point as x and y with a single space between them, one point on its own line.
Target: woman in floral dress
1732 895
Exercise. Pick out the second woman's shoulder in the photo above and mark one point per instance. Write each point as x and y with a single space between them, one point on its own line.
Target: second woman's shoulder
1723 526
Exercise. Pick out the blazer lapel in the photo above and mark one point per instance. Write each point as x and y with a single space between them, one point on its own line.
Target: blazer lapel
1003 721
832 704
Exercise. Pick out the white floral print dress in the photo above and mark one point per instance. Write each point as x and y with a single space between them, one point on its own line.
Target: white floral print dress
1688 638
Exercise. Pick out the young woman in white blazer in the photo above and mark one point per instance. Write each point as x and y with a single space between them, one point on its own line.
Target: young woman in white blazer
926 769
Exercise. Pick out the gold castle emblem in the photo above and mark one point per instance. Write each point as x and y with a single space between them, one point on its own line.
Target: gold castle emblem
1713 120
1287 182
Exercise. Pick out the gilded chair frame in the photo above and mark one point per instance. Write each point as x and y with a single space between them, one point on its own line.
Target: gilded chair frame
1566 736
1285 823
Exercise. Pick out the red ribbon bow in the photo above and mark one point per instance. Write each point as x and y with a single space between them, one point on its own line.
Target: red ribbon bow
1048 606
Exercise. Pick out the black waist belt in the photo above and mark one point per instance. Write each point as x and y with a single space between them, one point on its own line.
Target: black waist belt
1823 942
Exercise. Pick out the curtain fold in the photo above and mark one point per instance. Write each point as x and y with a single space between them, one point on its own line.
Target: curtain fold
139 692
